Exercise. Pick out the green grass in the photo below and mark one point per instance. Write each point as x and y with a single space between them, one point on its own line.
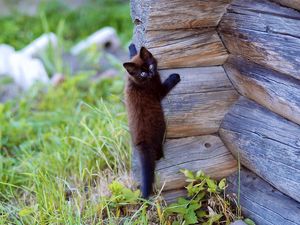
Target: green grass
70 137
61 146
20 29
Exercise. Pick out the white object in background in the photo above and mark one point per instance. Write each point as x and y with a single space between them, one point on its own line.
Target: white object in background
104 38
22 68
5 52
40 45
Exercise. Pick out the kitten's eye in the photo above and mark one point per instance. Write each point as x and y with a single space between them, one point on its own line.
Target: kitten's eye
143 74
151 67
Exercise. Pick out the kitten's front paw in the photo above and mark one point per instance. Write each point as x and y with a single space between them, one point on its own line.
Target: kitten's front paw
132 47
175 77
132 50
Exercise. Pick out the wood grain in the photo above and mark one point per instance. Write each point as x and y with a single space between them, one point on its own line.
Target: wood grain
171 15
199 102
183 48
173 195
206 153
289 3
266 143
265 33
279 93
263 203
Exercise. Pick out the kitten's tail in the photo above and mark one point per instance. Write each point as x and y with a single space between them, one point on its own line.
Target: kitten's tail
147 168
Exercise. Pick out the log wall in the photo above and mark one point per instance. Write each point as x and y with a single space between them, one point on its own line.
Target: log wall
199 102
266 143
257 42
184 40
262 129
180 35
265 33
275 91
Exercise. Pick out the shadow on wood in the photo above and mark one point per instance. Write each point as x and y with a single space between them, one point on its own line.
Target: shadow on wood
263 203
266 143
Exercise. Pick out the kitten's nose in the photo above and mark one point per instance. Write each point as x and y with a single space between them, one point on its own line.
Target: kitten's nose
151 74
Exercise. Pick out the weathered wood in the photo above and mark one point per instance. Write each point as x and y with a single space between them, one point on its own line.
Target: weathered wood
183 48
206 153
199 102
290 3
173 195
263 203
170 15
239 222
266 143
265 33
277 92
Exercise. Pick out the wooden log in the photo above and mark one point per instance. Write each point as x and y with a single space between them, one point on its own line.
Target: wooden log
183 48
173 195
199 102
277 92
171 15
264 33
289 3
206 153
263 203
266 143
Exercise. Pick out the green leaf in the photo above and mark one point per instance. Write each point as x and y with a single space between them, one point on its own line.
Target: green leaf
200 174
222 184
183 201
214 218
188 174
116 187
176 208
176 223
190 180
201 213
25 211
200 196
212 187
190 217
194 206
249 222
130 196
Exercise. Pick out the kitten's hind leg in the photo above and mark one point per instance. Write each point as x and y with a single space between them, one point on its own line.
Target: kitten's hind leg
169 84
132 50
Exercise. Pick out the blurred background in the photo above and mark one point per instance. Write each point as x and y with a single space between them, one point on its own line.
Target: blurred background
63 130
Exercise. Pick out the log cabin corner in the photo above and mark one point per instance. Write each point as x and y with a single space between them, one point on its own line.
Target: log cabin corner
239 98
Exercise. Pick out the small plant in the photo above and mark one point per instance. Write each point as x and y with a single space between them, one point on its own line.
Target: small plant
207 202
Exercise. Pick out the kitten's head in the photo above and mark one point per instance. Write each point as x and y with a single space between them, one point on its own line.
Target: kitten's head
143 66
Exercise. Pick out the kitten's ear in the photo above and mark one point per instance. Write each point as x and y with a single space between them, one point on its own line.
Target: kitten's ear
130 67
145 54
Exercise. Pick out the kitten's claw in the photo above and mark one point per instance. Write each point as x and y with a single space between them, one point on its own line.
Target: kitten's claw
175 77
132 50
